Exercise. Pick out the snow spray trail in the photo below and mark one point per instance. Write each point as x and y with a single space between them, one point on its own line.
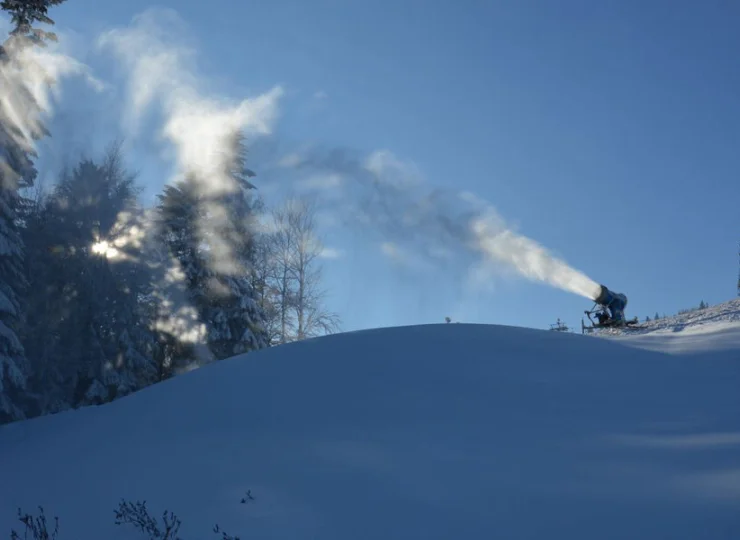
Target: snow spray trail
379 192
419 223
160 72
529 258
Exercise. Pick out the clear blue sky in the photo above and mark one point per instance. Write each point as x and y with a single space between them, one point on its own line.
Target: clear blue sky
607 131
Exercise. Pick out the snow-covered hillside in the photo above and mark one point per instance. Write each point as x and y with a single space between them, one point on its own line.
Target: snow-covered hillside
714 329
728 312
429 432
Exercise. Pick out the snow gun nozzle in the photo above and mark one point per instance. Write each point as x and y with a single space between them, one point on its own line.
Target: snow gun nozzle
607 297
602 296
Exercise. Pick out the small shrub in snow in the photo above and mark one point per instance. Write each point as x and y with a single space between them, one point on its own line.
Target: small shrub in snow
35 527
128 513
224 534
136 514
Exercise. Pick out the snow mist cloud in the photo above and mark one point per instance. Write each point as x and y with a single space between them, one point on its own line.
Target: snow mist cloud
529 258
426 227
29 78
160 71
419 226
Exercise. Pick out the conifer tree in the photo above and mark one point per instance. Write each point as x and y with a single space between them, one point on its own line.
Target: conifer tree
25 13
86 336
19 127
216 260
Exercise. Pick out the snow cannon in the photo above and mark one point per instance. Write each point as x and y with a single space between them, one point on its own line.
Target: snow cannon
608 311
614 302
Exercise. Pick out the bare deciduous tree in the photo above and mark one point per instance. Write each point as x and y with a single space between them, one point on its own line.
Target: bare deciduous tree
290 274
312 319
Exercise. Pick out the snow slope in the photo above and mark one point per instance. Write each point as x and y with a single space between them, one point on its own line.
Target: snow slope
715 329
429 432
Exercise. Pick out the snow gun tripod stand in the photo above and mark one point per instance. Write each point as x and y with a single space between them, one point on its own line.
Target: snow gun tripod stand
608 311
604 320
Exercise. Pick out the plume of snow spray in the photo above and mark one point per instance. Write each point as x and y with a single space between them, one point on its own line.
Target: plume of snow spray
383 193
29 77
160 70
527 257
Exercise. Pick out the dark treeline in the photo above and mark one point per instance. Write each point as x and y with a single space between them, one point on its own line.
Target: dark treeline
100 296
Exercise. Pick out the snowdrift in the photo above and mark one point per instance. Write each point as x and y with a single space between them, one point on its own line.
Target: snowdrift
429 432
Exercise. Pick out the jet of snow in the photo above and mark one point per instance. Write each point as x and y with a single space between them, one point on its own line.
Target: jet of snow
529 258
424 227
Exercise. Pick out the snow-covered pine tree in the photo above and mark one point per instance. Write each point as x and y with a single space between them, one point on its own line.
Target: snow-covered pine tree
24 13
19 127
238 320
87 335
221 291
179 289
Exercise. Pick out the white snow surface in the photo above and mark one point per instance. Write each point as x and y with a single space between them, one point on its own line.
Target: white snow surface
429 432
713 329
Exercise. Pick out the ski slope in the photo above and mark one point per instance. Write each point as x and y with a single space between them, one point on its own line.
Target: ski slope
429 432
715 329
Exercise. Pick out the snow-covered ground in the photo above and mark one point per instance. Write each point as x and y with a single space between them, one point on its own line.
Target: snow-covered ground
429 432
709 330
